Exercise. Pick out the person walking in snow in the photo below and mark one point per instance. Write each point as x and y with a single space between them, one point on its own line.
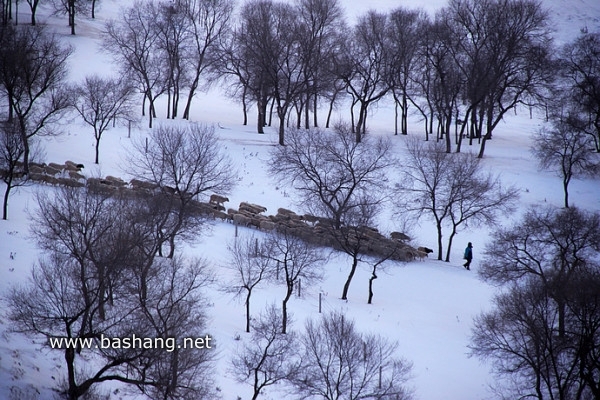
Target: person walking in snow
468 256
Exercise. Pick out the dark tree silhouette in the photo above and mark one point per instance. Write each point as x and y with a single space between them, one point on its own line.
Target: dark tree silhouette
102 101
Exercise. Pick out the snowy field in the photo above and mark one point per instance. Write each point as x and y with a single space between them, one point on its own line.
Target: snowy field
426 306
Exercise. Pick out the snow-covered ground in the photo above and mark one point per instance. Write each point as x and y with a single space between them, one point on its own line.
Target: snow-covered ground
426 306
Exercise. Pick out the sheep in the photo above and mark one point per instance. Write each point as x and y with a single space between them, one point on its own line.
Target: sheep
58 167
49 170
76 176
34 169
69 182
139 184
71 166
115 181
400 236
267 225
252 208
425 250
241 219
218 200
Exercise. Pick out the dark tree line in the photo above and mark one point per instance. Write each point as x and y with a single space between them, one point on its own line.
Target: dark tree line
167 48
71 8
542 337
103 275
471 62
100 279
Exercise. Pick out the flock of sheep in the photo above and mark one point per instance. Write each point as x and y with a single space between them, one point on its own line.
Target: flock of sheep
310 228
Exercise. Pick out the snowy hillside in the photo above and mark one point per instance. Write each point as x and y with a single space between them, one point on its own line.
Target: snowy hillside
426 306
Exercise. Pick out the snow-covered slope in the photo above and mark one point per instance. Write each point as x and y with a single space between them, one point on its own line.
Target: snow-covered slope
427 306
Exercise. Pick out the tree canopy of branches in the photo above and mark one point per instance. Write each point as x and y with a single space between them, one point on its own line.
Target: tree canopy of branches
581 68
280 52
88 290
336 177
542 337
168 46
297 261
270 357
406 27
502 49
133 42
102 101
33 67
11 151
452 189
566 150
249 259
71 8
185 162
340 362
364 65
268 41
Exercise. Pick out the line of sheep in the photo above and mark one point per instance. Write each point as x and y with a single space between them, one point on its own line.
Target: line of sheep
308 227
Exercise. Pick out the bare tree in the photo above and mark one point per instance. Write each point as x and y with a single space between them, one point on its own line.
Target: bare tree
443 81
542 335
11 151
549 245
297 261
174 308
519 336
249 258
270 356
452 189
336 177
340 362
32 72
268 39
102 101
33 5
320 28
365 66
134 42
55 305
208 24
330 171
502 48
406 29
567 151
71 8
88 299
185 162
580 67
88 229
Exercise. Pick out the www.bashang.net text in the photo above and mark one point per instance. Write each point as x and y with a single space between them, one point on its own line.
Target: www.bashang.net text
131 342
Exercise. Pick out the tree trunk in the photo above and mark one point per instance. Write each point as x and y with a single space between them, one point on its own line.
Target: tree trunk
404 114
71 7
97 150
73 392
371 279
248 311
261 117
566 190
6 195
395 116
244 106
284 316
315 107
450 243
350 276
439 234
330 110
